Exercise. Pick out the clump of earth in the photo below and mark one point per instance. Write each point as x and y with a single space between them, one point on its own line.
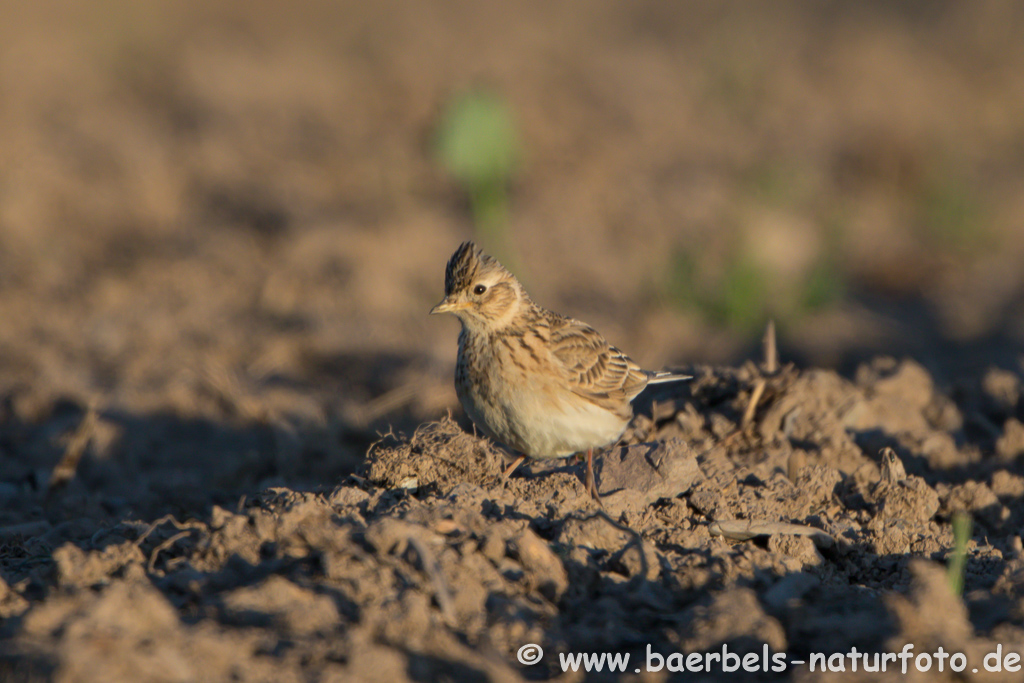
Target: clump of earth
792 512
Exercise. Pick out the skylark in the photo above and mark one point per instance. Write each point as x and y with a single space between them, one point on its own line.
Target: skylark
542 384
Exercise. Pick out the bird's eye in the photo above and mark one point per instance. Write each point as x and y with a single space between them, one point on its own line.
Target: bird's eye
479 289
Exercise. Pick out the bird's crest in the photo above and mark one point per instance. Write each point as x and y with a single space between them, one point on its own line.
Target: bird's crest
465 265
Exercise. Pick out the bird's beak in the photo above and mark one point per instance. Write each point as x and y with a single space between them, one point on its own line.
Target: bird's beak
447 306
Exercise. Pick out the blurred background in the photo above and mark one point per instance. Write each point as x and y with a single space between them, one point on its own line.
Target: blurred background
224 222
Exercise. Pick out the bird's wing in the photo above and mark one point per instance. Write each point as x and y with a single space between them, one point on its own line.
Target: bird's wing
595 369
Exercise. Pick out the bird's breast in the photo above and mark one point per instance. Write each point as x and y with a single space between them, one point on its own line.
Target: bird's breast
514 393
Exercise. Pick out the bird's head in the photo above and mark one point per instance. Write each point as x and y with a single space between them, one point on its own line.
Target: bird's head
478 290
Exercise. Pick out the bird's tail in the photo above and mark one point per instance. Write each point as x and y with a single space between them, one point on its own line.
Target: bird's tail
665 376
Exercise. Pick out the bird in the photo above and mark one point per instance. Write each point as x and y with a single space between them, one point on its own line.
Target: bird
539 383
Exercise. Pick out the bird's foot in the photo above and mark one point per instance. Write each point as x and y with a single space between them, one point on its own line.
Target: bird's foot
512 468
591 482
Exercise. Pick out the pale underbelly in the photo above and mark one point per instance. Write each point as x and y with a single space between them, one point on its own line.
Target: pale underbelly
543 428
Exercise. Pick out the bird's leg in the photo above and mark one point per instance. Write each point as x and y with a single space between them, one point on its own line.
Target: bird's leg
512 468
591 484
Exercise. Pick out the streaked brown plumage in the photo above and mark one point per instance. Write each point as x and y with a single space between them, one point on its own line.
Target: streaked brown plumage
542 384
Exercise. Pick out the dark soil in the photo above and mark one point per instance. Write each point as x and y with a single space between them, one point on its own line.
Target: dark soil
427 566
224 450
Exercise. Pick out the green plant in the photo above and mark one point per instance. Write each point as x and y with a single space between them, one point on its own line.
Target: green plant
962 525
951 213
738 298
825 283
822 287
477 143
742 299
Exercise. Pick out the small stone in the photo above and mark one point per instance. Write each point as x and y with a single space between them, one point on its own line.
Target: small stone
1002 389
1010 444
800 548
544 569
493 547
348 496
655 470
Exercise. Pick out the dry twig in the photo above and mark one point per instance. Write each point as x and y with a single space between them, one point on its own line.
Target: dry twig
66 468
771 351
